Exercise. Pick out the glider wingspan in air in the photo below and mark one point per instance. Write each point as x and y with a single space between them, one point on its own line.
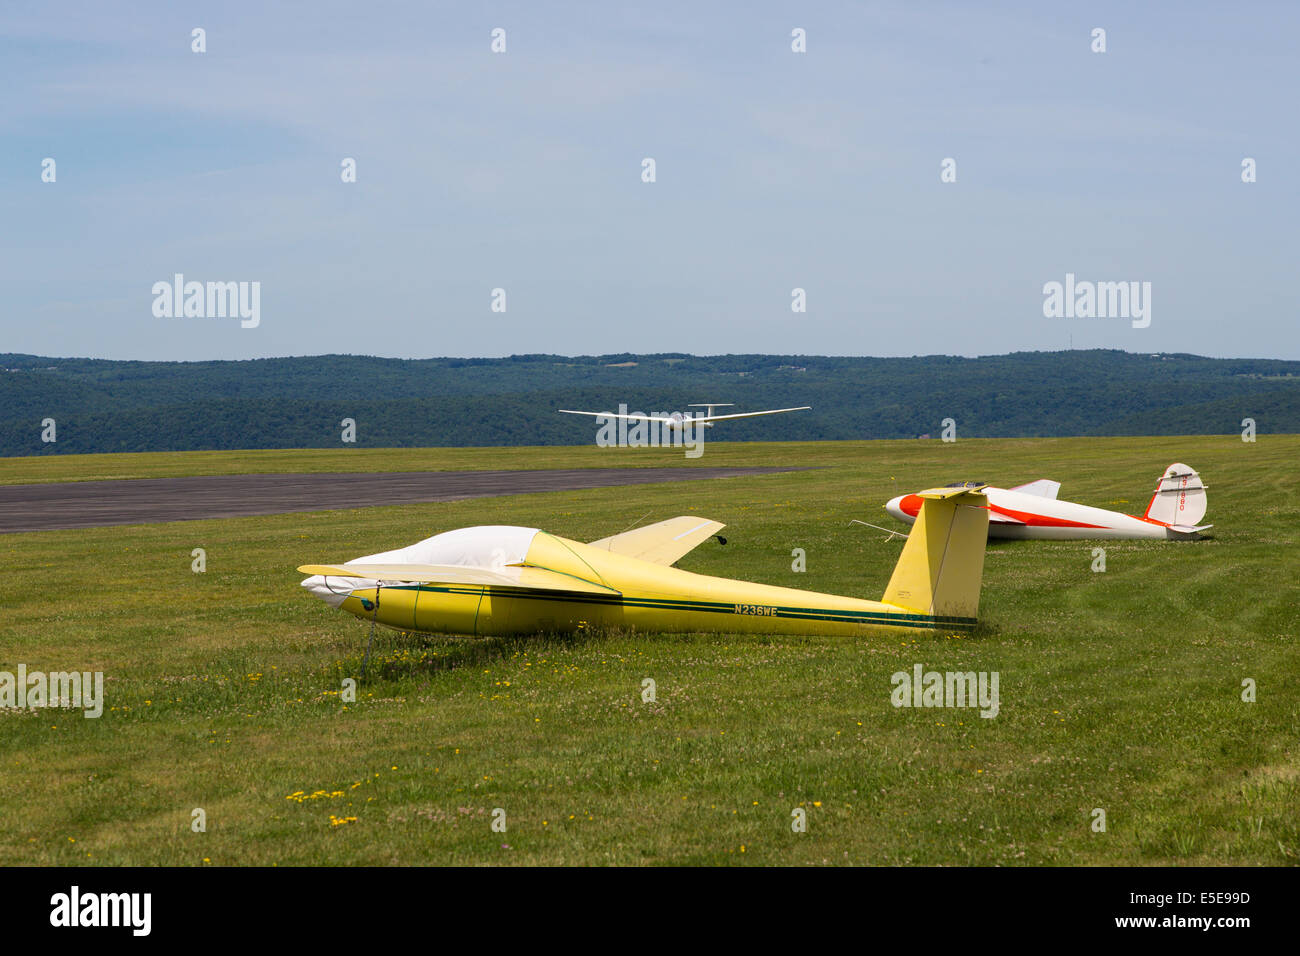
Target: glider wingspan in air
499 580
1033 511
678 420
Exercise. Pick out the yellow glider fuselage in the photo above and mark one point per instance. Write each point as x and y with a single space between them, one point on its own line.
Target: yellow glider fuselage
616 591
650 597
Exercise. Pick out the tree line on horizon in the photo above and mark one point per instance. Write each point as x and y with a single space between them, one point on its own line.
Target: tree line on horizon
101 405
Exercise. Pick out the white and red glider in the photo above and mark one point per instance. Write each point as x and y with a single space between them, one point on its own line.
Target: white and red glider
1033 511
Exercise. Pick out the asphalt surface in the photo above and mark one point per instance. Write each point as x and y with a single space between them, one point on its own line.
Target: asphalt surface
94 504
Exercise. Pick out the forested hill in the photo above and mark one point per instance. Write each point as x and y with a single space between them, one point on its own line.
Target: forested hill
103 406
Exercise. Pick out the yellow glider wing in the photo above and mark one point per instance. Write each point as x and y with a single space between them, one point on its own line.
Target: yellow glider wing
664 542
513 576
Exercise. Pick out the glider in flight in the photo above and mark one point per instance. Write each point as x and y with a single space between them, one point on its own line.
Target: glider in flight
677 420
500 580
1033 511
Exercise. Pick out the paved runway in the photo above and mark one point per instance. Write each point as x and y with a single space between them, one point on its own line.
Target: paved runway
92 504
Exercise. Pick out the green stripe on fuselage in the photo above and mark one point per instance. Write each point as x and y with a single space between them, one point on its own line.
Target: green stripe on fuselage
902 619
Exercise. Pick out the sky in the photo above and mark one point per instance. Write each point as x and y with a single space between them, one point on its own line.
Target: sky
522 170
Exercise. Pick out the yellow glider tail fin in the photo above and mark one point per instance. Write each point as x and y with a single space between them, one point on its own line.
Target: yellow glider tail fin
942 564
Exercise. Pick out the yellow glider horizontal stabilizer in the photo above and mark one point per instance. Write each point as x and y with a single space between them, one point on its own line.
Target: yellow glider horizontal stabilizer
664 542
942 494
513 576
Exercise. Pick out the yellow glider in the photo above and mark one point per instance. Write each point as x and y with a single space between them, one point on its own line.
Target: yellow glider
499 580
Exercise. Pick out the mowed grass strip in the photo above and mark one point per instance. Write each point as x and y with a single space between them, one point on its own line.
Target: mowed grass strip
1119 691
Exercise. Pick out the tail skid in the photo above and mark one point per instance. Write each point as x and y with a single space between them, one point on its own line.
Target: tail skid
1179 532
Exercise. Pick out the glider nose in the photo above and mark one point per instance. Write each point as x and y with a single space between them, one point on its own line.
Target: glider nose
333 595
895 508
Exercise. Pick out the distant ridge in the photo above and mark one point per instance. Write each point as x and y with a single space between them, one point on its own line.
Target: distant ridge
113 406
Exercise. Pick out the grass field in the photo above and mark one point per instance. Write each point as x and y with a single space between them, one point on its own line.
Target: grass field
1119 690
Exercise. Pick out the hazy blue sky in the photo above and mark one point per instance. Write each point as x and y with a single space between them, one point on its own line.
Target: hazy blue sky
522 170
